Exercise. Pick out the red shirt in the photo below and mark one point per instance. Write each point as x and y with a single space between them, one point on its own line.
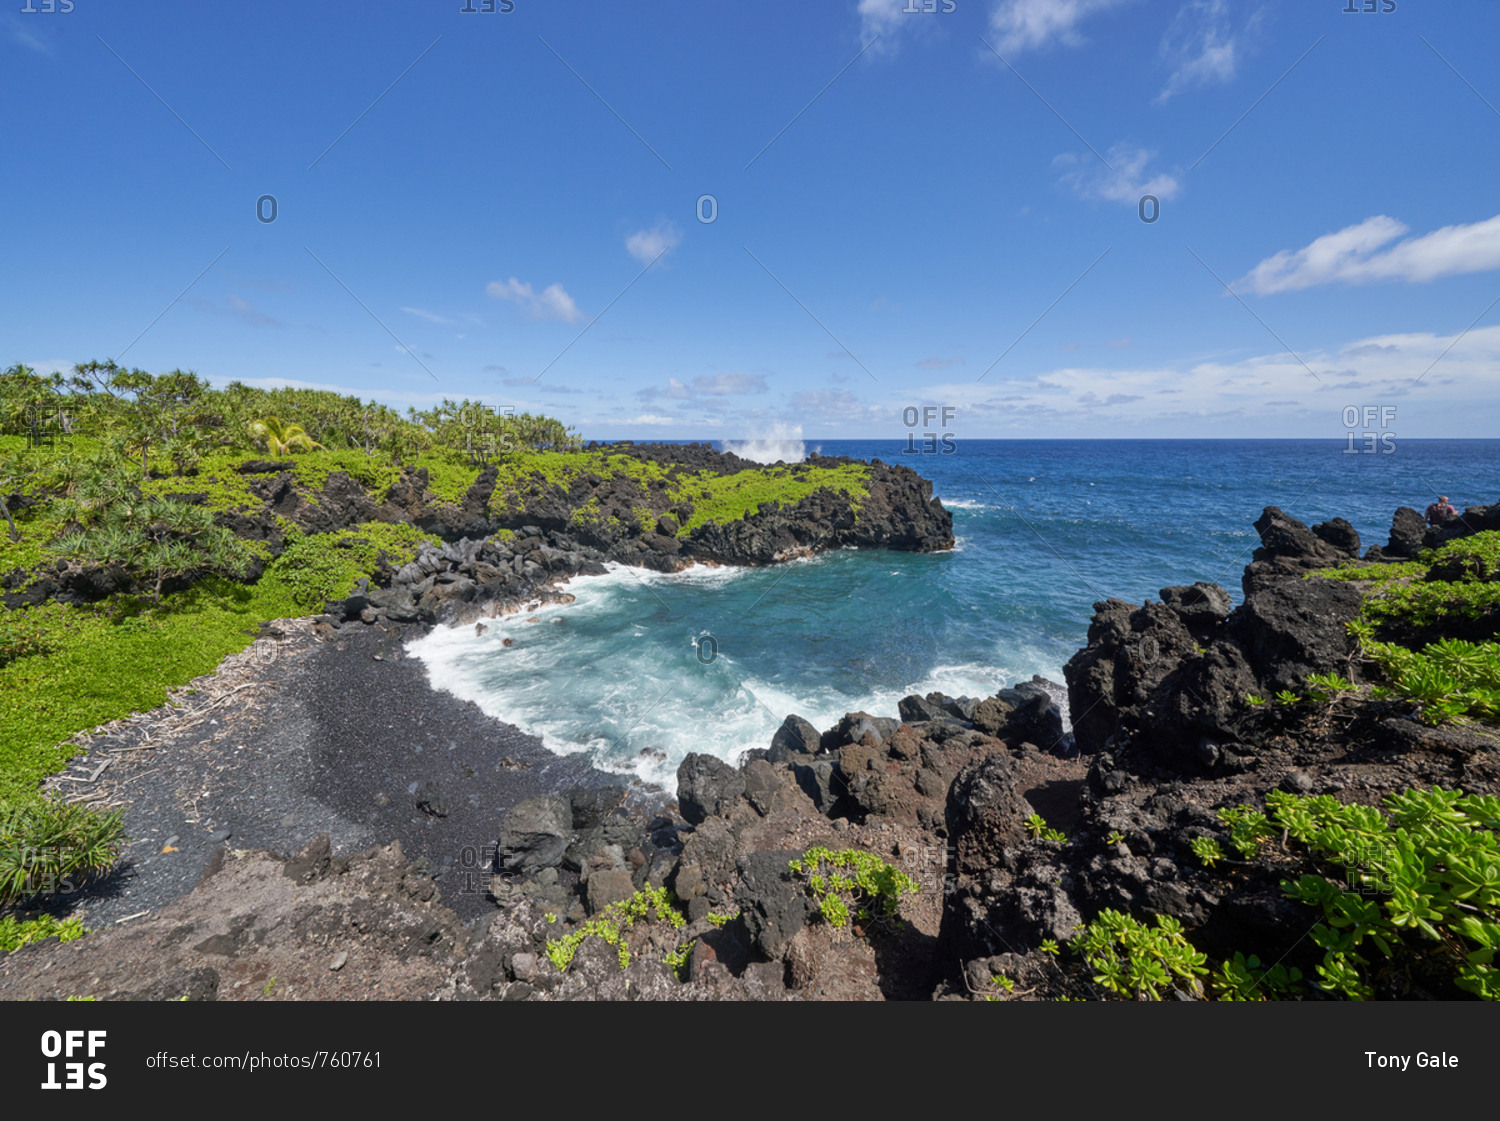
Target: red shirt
1437 513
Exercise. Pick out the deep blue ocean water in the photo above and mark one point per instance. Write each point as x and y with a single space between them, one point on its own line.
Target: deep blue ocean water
630 674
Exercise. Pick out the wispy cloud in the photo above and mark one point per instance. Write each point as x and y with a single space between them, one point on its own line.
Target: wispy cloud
1202 48
431 317
1023 25
647 245
530 383
553 302
1248 390
1125 180
20 33
1354 255
717 385
892 21
939 363
240 309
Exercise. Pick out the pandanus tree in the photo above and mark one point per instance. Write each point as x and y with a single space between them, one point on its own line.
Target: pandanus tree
150 539
282 437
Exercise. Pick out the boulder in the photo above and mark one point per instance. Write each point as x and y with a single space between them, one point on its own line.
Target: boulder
606 887
773 906
592 804
1202 605
706 786
1291 628
796 736
534 835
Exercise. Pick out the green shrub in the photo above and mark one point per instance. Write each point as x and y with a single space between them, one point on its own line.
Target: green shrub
15 933
1414 889
852 878
1042 831
611 923
44 844
320 567
1137 961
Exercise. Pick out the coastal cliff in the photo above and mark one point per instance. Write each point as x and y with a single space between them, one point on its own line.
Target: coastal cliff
1168 845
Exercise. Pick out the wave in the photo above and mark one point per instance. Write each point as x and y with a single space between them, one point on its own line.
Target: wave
783 442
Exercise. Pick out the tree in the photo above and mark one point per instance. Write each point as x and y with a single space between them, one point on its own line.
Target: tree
146 410
155 539
280 438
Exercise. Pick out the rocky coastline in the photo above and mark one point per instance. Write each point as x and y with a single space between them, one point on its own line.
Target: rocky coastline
1015 831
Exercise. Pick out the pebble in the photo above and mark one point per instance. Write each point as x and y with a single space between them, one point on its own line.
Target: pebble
338 962
172 840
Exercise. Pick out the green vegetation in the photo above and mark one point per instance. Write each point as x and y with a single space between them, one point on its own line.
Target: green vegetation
677 960
713 497
1453 587
45 845
1433 859
282 438
852 878
15 933
1406 895
316 568
1137 961
612 922
1207 850
722 919
1244 978
1044 832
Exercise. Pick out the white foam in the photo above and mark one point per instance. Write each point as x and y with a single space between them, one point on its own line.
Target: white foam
783 442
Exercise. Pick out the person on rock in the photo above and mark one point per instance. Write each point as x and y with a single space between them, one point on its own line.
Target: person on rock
1440 511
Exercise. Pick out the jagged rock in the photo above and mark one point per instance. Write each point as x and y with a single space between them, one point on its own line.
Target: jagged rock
821 781
772 907
706 785
592 804
1289 629
535 834
1340 534
915 709
986 814
430 800
796 736
991 716
606 887
1200 606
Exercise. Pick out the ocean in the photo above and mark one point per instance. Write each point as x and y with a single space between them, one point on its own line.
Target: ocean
643 668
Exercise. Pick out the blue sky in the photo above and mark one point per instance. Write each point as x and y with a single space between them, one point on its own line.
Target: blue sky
910 208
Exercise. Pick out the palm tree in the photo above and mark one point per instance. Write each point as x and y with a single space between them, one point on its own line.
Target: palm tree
280 438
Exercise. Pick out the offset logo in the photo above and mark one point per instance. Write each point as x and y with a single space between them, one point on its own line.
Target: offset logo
74 1046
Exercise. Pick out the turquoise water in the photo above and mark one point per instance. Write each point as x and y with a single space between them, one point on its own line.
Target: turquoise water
644 668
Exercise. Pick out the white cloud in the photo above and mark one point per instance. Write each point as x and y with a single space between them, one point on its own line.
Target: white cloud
1353 255
1032 24
431 317
719 385
1127 182
550 303
889 20
1250 391
1202 48
647 245
722 385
